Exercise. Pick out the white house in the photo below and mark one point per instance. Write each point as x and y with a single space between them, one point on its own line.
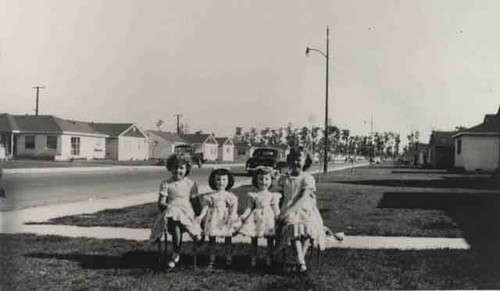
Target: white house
162 144
204 143
125 141
50 137
226 149
478 148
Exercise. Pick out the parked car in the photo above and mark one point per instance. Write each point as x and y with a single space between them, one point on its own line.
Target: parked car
267 156
196 157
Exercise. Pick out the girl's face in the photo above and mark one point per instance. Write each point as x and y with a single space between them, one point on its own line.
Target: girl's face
221 182
264 181
297 163
179 172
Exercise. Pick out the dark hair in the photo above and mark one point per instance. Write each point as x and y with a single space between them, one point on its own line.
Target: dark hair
297 152
263 171
179 159
221 172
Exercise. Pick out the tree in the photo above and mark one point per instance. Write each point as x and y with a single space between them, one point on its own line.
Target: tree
159 123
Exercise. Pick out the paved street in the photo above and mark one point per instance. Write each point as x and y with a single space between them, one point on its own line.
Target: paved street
36 189
55 186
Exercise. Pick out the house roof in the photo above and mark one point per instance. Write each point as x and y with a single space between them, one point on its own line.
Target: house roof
490 126
43 123
170 136
441 138
112 129
8 123
196 137
223 140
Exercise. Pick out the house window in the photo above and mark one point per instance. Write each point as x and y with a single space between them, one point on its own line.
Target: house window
241 152
228 150
52 142
75 146
29 142
459 146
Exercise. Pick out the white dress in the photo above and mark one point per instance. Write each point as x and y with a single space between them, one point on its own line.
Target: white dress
179 209
261 222
221 219
300 217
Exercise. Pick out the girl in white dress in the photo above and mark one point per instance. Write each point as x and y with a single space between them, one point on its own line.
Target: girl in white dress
219 213
261 211
175 203
300 223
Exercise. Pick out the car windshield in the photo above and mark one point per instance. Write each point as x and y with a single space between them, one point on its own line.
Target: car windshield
265 153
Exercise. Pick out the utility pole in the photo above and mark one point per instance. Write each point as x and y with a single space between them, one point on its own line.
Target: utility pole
37 95
372 147
178 126
327 57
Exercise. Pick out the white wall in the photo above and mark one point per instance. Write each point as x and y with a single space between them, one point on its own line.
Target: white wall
226 153
132 148
90 147
163 148
40 149
210 151
478 152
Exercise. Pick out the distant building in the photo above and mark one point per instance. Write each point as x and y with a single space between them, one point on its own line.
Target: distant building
478 148
162 144
50 137
204 143
241 151
225 149
125 141
441 149
422 158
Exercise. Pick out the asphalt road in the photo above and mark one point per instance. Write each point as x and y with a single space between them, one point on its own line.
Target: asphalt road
35 189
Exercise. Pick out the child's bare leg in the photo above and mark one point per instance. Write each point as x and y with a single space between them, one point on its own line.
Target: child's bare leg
270 246
306 243
211 254
298 251
228 248
253 259
177 239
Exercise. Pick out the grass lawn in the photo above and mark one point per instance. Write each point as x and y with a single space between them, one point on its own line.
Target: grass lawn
49 262
383 201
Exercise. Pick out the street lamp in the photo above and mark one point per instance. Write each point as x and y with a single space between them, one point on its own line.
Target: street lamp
308 50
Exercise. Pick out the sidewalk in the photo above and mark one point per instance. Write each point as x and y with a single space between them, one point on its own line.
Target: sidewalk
13 222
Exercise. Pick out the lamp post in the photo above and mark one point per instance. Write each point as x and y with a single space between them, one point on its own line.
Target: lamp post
326 55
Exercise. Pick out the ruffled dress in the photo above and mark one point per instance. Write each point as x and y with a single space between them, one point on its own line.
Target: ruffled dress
299 217
179 209
261 222
221 219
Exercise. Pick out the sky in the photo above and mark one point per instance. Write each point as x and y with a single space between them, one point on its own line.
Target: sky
413 65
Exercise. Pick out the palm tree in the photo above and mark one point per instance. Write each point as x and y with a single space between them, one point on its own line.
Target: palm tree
159 123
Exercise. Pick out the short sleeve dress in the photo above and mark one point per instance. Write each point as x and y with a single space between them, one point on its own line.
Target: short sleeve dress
221 219
261 221
299 217
179 209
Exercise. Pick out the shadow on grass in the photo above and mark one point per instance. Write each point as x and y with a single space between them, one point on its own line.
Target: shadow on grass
482 182
149 261
477 214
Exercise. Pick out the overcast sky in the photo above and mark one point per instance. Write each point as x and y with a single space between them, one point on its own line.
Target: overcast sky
414 65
